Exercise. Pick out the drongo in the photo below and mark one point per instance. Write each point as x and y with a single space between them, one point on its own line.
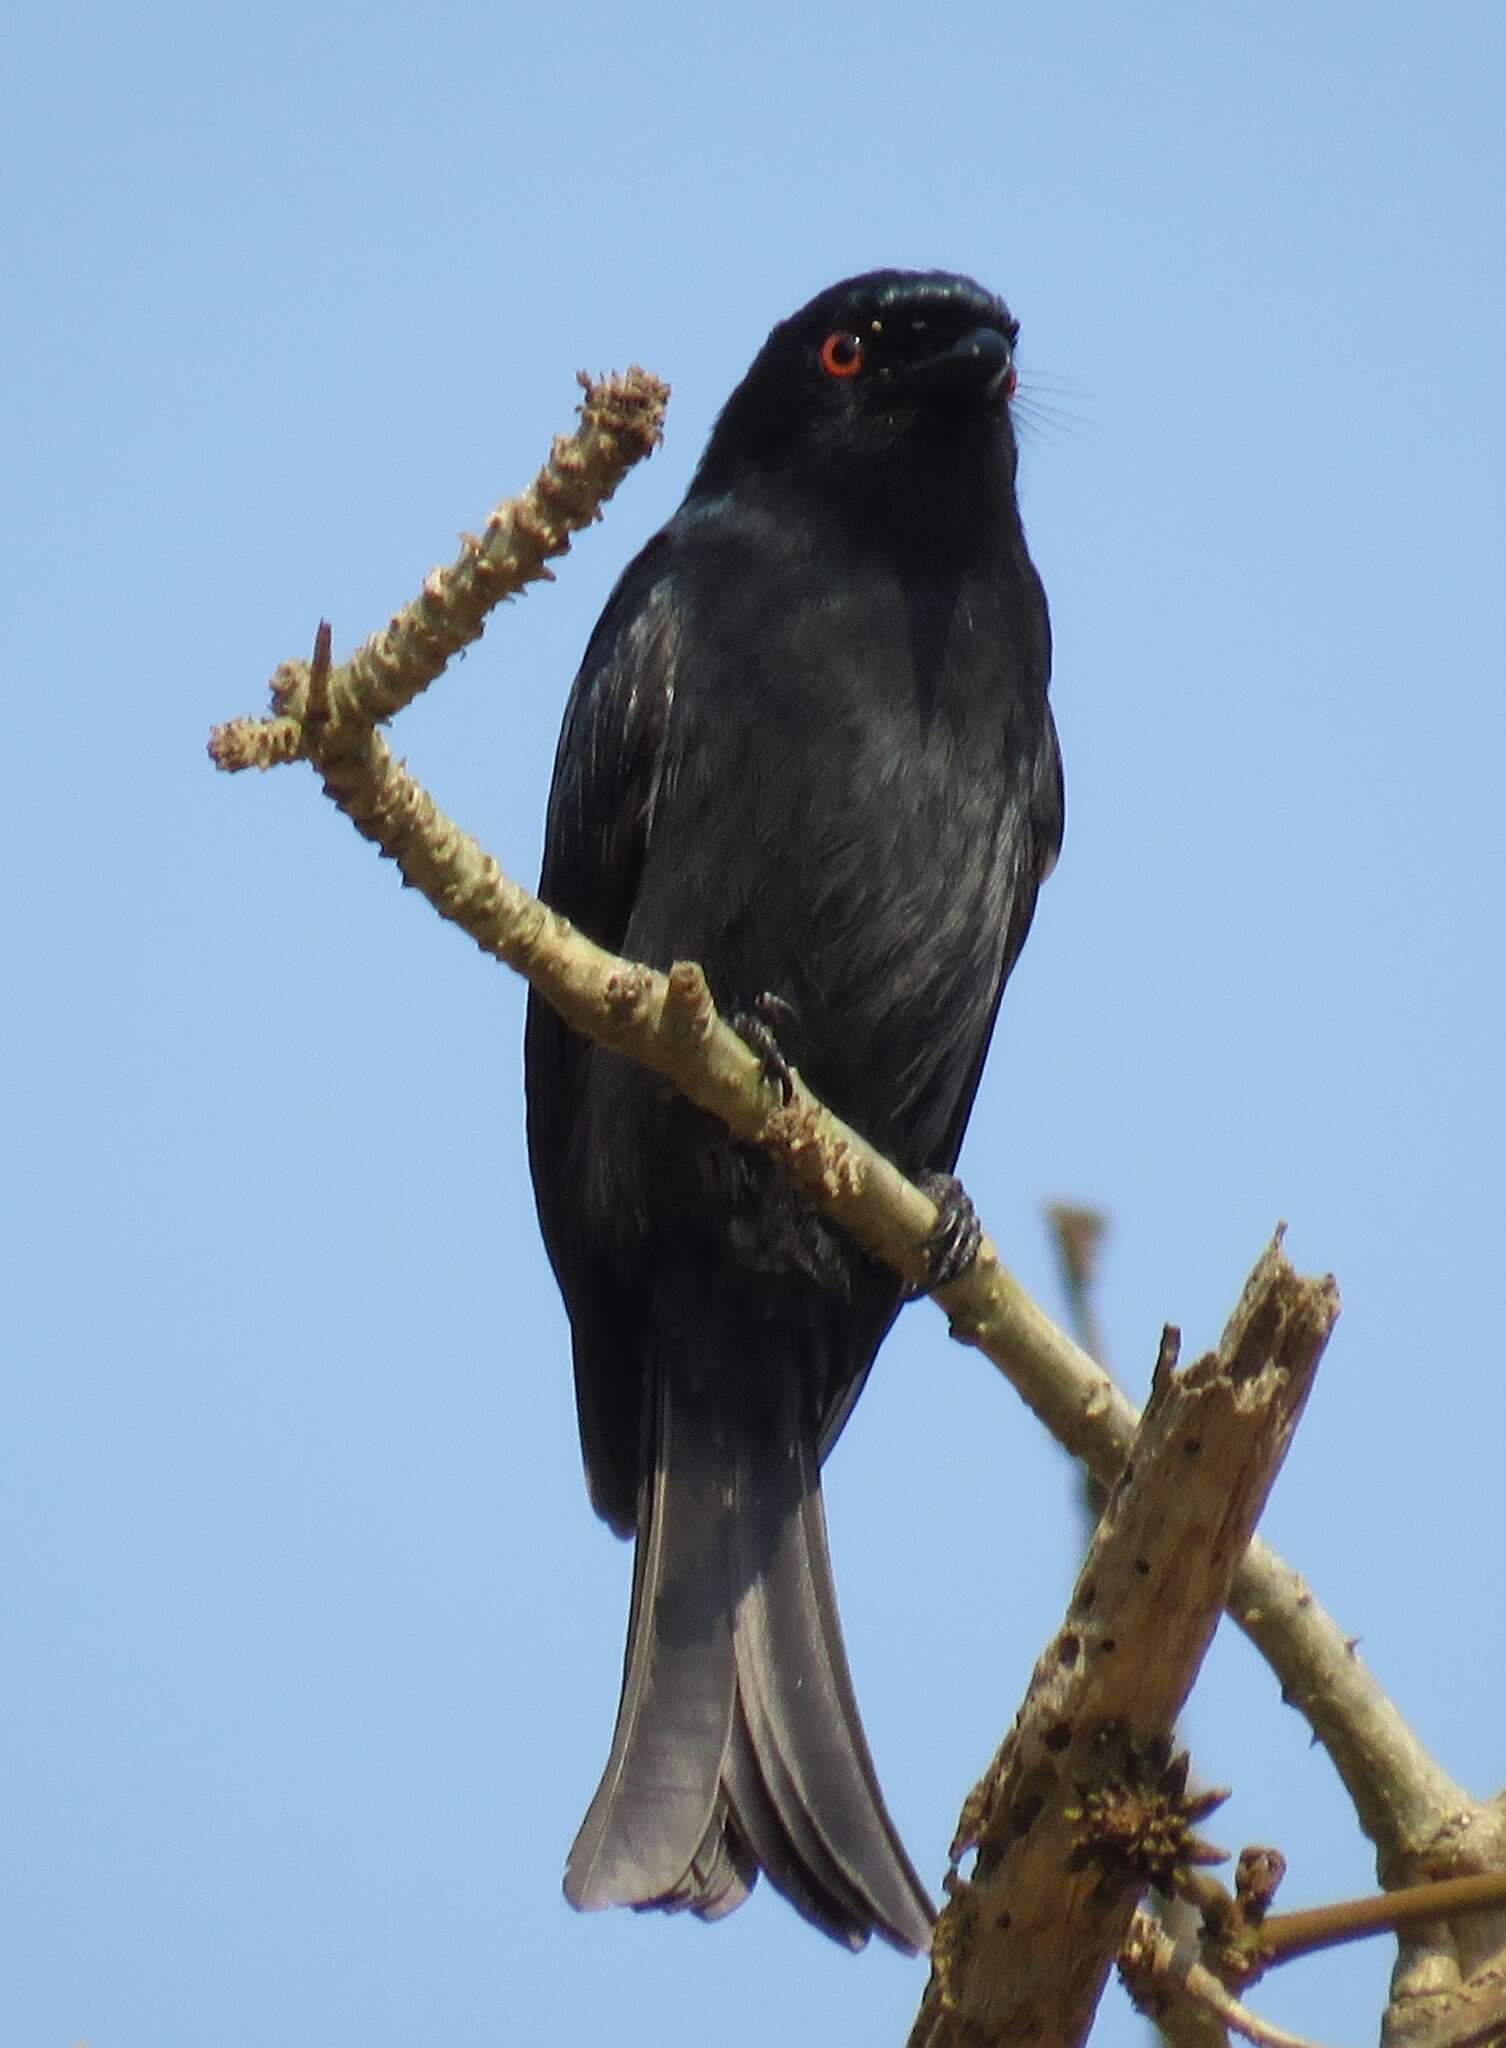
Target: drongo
809 746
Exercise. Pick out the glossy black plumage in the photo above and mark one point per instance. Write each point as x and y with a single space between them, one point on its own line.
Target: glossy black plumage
810 747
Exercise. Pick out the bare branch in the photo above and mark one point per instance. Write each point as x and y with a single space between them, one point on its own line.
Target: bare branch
1155 1968
1286 1935
1085 1805
1078 1234
621 422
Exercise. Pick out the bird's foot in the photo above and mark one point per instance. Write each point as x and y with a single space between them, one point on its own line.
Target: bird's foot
953 1244
756 1027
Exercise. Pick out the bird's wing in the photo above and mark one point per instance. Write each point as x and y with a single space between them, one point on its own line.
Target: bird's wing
1032 851
606 770
601 808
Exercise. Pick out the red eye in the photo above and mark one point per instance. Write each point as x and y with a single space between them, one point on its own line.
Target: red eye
842 355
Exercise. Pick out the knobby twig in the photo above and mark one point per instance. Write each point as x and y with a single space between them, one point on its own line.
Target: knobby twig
621 421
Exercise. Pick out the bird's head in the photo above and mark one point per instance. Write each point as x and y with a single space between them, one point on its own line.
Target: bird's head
880 370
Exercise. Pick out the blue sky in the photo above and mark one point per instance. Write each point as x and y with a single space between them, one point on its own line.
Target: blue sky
312 1640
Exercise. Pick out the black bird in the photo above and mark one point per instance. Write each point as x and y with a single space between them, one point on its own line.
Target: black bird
810 747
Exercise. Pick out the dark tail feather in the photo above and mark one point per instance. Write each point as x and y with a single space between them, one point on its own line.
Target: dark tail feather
795 1689
797 1867
656 1831
738 1744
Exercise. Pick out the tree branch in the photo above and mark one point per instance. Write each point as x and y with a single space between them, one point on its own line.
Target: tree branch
1286 1935
621 421
1078 1235
1085 1806
1155 1968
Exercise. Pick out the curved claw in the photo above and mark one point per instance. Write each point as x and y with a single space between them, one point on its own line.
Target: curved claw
953 1244
755 1026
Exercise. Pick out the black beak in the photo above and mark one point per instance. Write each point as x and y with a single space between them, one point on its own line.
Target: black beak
981 358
